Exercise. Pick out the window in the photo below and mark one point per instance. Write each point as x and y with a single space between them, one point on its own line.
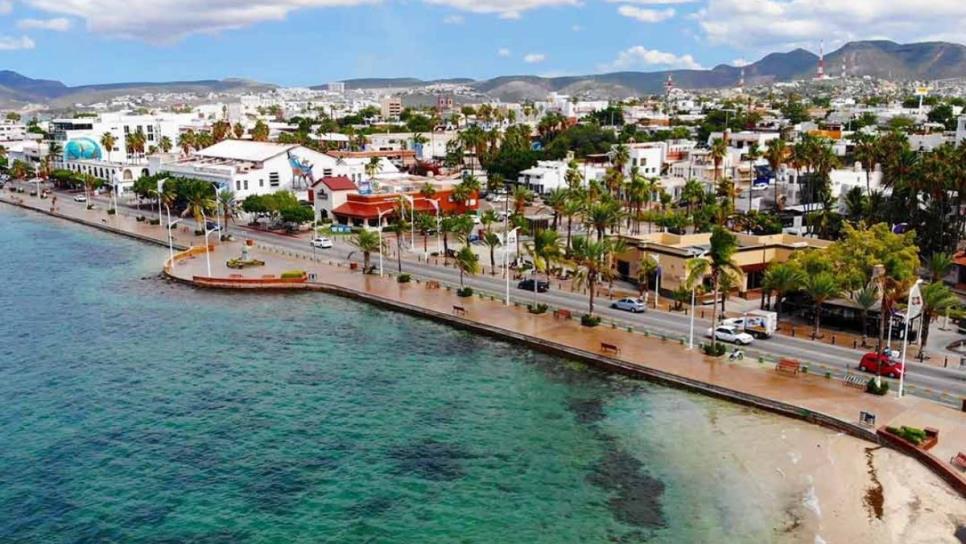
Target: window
326 172
261 183
238 185
322 194
246 184
273 179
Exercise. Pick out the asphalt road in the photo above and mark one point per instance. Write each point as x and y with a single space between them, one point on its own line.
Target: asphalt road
943 384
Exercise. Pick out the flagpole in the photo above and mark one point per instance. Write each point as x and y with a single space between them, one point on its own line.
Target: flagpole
905 337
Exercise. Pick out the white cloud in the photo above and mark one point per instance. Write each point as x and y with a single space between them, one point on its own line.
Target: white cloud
503 52
13 43
639 57
6 6
653 2
646 15
171 20
762 25
58 24
453 20
506 9
576 28
533 58
738 63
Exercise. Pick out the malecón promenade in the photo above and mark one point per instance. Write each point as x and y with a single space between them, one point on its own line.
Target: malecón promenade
810 395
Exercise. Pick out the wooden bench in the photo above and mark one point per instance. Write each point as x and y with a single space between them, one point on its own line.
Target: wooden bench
432 284
854 380
958 461
788 366
459 310
562 314
612 349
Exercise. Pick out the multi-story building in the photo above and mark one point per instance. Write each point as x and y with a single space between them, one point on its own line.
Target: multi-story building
549 175
80 138
12 132
391 107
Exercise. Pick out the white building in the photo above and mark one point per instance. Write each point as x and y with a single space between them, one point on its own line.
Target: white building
433 147
961 130
80 138
12 132
549 175
648 158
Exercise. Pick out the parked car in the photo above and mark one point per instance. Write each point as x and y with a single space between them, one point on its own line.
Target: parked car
880 363
321 242
527 285
212 226
730 333
634 305
80 198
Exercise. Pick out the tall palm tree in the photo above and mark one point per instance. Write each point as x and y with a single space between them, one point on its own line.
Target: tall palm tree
939 264
90 184
572 207
936 299
426 224
646 269
228 206
866 298
820 288
467 262
719 150
866 152
108 141
200 201
165 144
372 167
545 250
782 279
402 224
521 197
603 215
719 259
368 243
775 154
556 200
492 241
620 156
187 141
590 258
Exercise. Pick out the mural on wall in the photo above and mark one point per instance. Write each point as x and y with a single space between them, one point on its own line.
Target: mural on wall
82 149
301 172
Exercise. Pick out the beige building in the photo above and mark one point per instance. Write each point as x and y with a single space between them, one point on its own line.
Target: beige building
673 251
391 107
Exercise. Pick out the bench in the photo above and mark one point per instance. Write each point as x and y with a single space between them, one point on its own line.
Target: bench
958 461
459 310
268 276
562 314
932 438
235 276
432 284
788 366
854 380
613 349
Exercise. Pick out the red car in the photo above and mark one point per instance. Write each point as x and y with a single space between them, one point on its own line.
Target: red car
880 364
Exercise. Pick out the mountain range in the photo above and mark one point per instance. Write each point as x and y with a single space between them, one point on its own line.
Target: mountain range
880 59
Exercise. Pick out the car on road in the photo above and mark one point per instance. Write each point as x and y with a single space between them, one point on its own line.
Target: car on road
80 198
527 285
730 333
881 364
212 226
321 242
634 305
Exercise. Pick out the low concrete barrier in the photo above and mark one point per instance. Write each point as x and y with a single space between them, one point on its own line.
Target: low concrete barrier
943 469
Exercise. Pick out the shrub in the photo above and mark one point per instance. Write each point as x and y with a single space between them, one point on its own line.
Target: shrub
713 350
155 221
199 232
537 308
111 211
910 434
139 219
291 274
588 320
871 387
404 278
90 206
464 292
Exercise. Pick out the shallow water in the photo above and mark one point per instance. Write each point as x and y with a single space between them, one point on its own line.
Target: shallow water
132 409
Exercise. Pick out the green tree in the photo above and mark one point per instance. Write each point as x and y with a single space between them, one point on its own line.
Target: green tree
368 243
492 241
544 250
866 298
820 288
719 259
108 141
590 258
228 206
467 262
936 299
647 268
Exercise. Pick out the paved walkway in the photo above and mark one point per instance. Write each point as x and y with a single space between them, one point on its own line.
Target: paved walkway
812 391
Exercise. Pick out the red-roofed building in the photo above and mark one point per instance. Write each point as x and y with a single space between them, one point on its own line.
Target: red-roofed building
329 193
960 263
363 210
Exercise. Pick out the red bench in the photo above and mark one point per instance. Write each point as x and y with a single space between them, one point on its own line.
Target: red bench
459 310
613 349
788 366
959 461
562 314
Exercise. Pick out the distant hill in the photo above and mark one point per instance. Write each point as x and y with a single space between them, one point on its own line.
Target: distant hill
881 59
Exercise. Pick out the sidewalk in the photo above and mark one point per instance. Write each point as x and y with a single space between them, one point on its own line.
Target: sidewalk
812 392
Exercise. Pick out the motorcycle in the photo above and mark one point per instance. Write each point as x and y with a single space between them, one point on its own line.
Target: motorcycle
736 355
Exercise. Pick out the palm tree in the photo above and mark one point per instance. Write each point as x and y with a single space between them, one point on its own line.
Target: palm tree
165 144
488 218
866 298
187 141
820 288
572 207
467 262
545 249
426 224
782 279
521 197
368 242
402 224
238 131
936 299
939 265
719 150
646 268
260 131
492 241
556 199
372 167
866 152
200 200
589 257
90 184
227 204
620 156
775 155
718 260
602 216
108 141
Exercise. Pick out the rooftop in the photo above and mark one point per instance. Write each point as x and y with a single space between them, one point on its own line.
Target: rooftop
245 150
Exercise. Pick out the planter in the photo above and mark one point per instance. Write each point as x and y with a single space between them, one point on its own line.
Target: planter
403 278
537 309
588 320
249 242
464 292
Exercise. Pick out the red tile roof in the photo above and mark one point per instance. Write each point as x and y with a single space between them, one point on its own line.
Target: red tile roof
337 183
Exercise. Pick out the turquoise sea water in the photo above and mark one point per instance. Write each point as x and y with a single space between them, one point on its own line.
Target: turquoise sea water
135 410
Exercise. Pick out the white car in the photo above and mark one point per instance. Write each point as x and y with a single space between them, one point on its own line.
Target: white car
80 198
321 242
633 305
729 333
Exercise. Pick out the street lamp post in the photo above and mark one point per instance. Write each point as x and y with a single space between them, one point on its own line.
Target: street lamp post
915 301
382 213
170 239
412 221
160 190
204 218
506 260
439 239
691 332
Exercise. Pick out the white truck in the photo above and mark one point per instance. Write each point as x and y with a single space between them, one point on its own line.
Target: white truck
758 323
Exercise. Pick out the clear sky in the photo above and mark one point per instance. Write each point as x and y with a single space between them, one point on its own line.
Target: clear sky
303 42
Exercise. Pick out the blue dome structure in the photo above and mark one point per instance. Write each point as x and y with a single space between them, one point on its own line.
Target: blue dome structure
82 148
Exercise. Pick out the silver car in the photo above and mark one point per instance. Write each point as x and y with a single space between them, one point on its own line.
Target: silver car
634 305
